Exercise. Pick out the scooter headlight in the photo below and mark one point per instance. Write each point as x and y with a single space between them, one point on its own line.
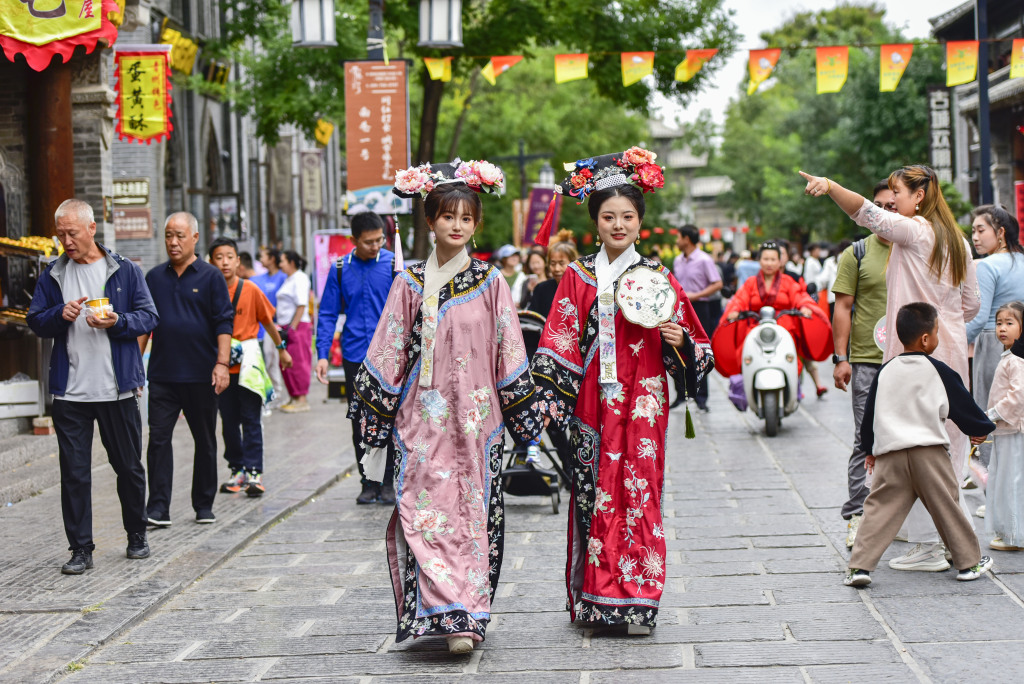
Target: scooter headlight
767 335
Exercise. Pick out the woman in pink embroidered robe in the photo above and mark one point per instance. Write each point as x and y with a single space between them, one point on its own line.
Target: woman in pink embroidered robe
445 538
616 566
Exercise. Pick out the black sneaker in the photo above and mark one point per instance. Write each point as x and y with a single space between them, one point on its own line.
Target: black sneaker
973 573
205 517
159 520
137 546
370 493
81 560
857 578
387 495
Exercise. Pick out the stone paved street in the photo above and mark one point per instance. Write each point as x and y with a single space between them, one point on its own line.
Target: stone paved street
754 592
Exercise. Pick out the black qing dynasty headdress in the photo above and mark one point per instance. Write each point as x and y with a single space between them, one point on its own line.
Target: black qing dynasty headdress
635 166
479 175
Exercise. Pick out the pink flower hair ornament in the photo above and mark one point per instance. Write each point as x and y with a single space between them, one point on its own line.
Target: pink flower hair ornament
479 175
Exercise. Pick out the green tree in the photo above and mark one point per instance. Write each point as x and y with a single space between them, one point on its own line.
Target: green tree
279 86
856 136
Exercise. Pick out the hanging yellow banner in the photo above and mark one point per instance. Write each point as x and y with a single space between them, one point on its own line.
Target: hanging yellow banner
961 62
1017 60
571 67
499 65
695 59
40 29
761 65
439 68
833 64
893 62
636 65
142 89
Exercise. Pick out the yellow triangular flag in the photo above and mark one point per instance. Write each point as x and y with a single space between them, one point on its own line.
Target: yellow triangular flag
488 73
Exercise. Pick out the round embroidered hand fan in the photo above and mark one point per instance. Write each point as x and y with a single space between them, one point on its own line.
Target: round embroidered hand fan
646 297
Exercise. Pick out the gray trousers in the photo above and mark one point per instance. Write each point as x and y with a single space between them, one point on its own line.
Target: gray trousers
863 374
988 350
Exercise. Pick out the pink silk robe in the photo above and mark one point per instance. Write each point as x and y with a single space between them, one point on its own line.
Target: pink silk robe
616 566
909 278
445 538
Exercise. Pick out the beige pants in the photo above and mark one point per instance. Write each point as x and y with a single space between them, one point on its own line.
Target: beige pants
900 479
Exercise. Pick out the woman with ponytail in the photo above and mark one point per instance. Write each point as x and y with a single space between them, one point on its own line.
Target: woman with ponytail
930 262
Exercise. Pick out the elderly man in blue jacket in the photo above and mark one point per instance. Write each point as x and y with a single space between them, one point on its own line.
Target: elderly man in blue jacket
95 375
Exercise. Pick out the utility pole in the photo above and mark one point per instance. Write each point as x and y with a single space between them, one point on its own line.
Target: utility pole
984 135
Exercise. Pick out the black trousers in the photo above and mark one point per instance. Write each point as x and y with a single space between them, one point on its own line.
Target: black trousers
708 314
351 370
166 401
241 415
121 433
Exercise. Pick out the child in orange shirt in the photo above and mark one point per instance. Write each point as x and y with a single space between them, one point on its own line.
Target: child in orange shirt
241 408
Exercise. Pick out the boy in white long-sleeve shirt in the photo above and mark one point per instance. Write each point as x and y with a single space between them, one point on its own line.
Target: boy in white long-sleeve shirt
903 428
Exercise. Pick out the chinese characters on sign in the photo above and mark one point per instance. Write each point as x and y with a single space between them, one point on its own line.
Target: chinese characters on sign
183 47
143 93
941 125
132 214
376 134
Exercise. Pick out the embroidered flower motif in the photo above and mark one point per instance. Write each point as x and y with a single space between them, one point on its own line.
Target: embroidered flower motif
652 563
601 498
440 570
594 547
649 406
430 522
434 407
479 582
563 339
648 448
567 310
658 531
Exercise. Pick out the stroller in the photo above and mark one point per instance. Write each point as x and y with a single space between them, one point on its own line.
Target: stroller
524 474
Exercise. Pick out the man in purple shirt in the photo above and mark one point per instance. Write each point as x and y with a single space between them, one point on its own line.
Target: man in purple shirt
700 278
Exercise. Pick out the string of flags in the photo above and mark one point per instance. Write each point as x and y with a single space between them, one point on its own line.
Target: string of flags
832 65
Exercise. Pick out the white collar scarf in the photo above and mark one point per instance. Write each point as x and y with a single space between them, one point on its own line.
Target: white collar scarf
435 277
607 273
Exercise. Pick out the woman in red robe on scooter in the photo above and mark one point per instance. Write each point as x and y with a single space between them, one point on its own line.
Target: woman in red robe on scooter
811 332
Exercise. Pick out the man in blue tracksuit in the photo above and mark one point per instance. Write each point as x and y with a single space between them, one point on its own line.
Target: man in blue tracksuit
360 292
95 373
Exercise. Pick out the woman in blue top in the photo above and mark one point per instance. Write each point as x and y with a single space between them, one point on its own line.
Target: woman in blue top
1000 280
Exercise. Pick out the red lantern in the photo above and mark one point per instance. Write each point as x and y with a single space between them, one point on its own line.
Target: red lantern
716 233
745 229
588 238
659 230
644 234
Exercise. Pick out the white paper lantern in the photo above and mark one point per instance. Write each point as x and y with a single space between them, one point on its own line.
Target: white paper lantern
441 23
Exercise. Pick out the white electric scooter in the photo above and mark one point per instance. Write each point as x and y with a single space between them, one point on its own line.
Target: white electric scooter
770 370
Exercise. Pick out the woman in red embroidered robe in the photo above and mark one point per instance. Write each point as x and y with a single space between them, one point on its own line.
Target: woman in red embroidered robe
617 428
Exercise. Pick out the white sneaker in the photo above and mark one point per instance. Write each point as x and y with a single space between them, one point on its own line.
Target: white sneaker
459 644
851 530
923 558
981 511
